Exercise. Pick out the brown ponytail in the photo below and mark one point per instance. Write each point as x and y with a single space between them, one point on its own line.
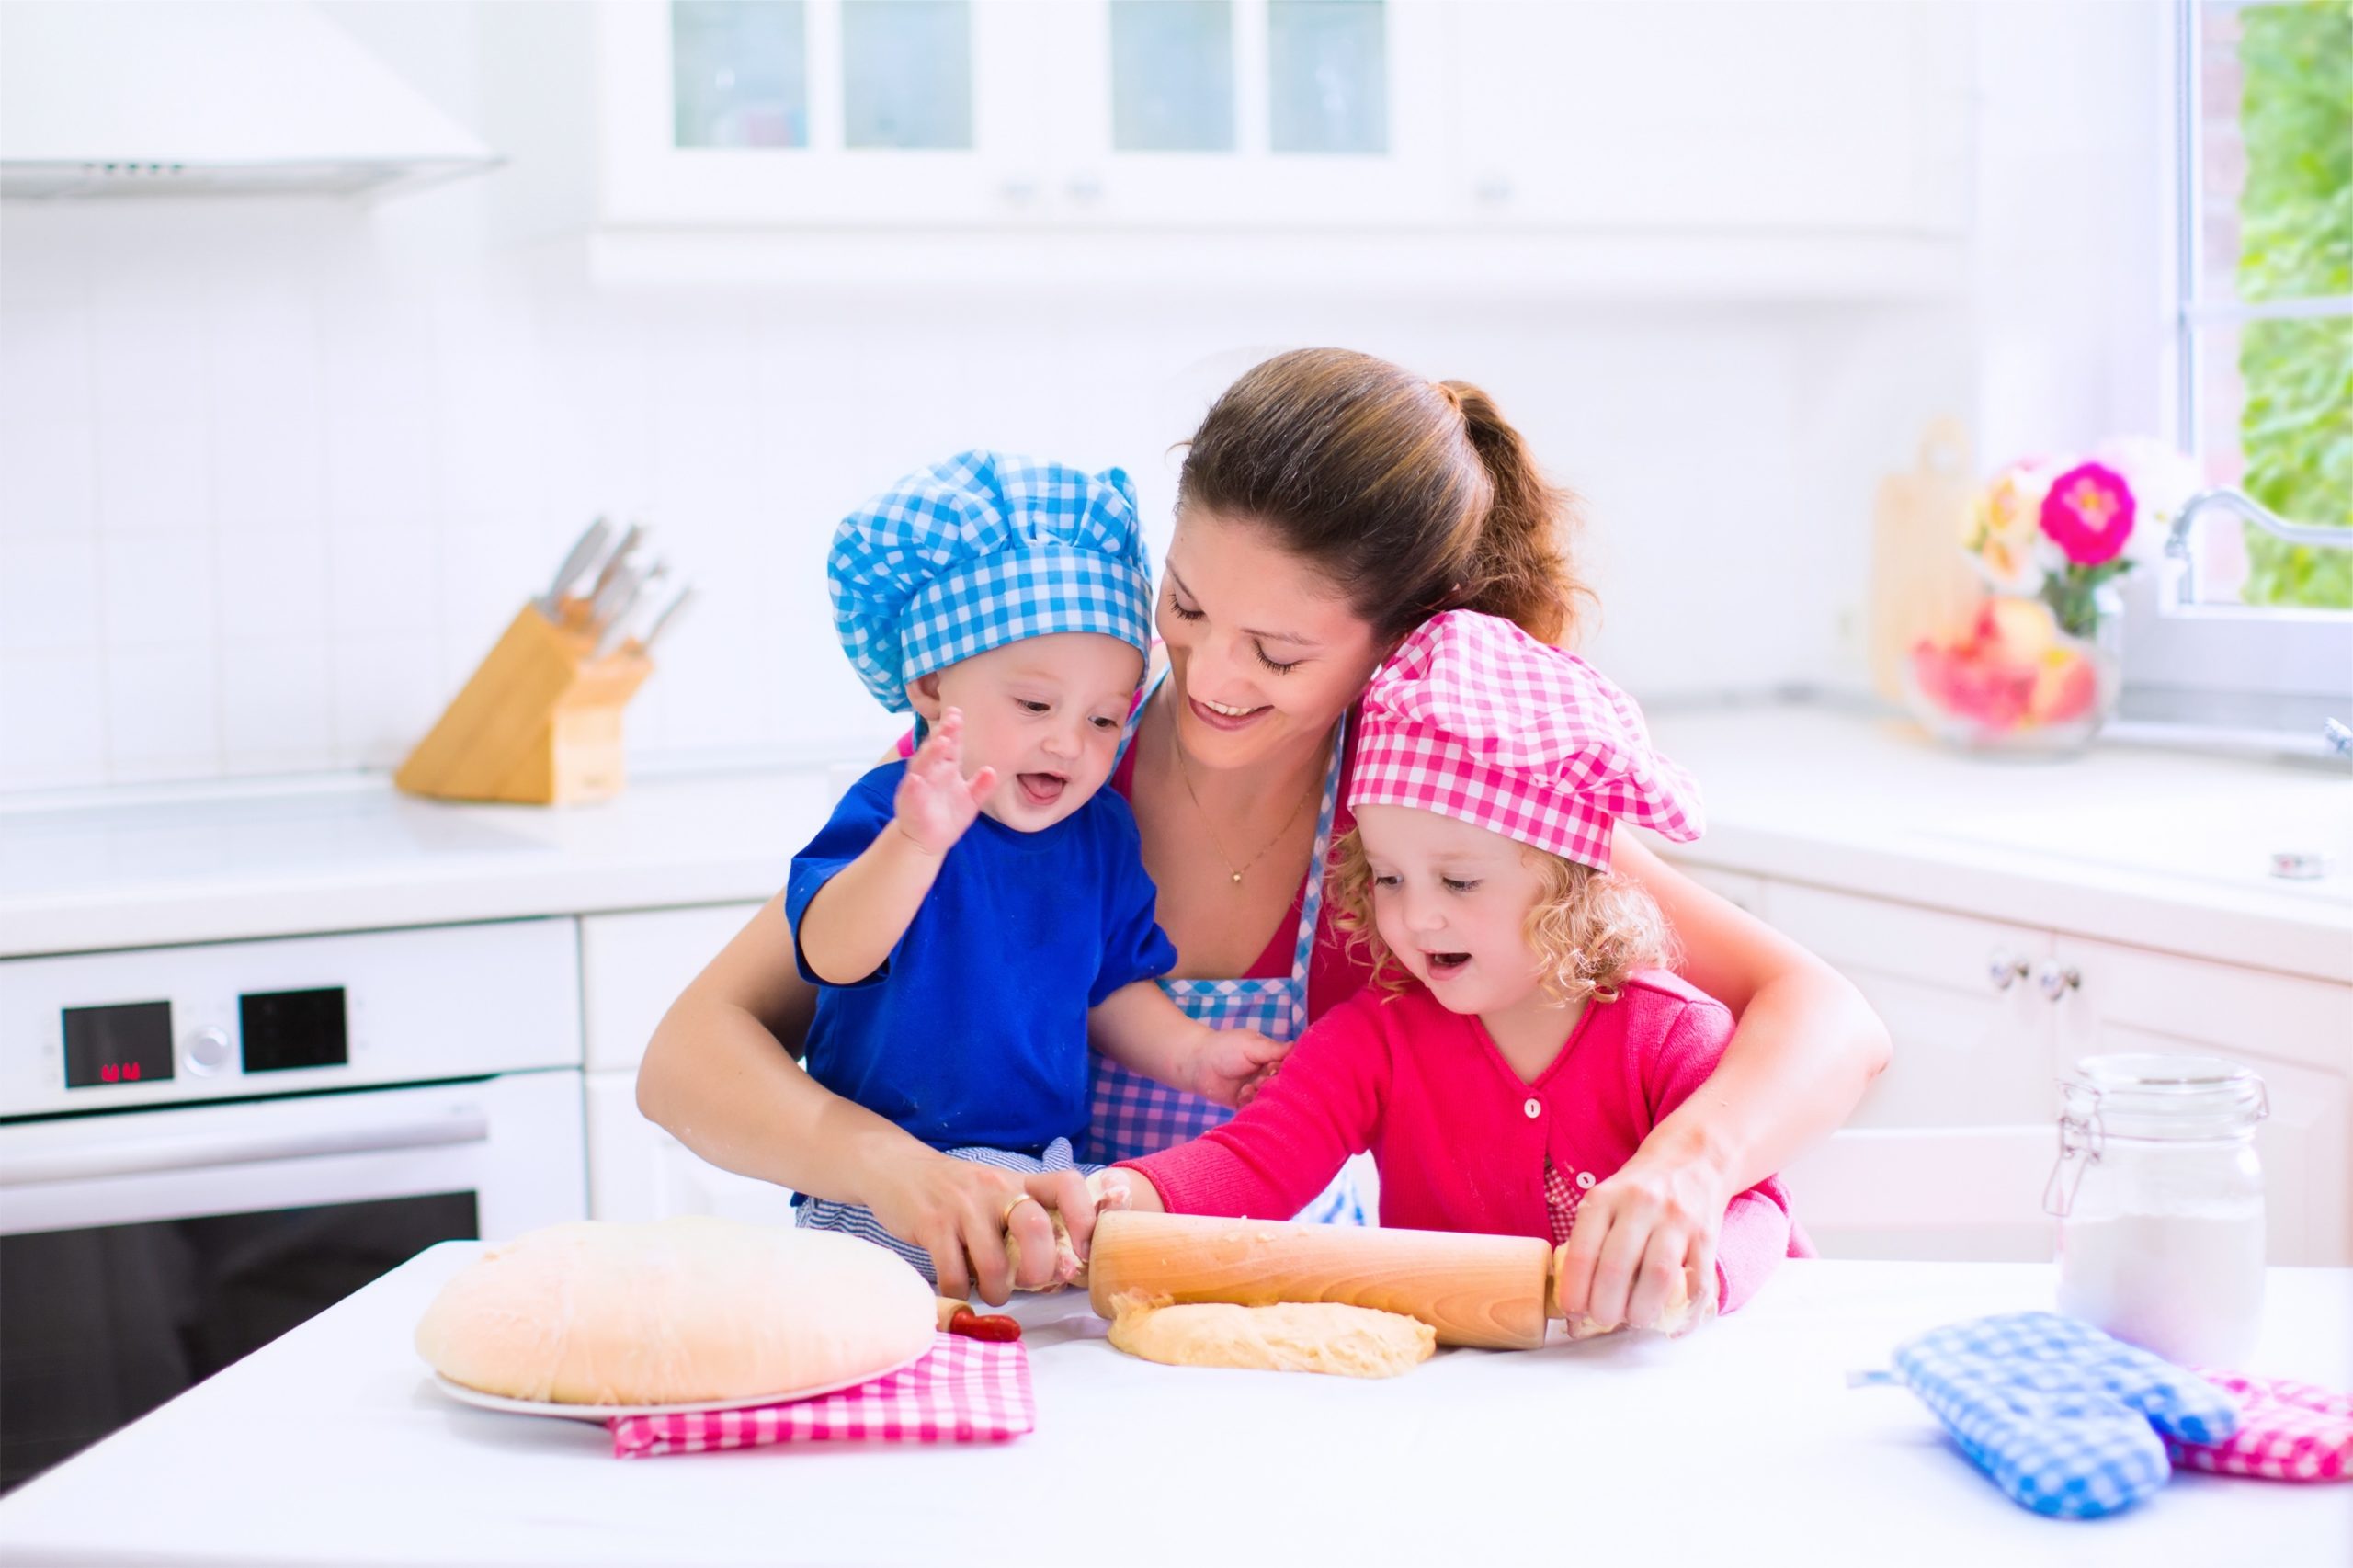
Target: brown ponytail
1412 497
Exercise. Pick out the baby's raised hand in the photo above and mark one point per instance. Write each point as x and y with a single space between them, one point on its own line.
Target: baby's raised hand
1229 1066
935 802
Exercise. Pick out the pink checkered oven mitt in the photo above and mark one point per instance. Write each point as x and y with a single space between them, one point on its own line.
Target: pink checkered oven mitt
2288 1431
965 1390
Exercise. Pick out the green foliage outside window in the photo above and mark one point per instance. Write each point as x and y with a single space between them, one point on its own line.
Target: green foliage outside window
2296 228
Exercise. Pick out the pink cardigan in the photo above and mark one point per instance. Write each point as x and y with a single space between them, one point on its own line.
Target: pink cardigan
1460 1139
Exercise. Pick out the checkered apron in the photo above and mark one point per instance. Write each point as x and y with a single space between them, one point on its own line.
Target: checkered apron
1132 1116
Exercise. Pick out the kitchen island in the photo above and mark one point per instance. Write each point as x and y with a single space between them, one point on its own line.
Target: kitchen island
1742 1443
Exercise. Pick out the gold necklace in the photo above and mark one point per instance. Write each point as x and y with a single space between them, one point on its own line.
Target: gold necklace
1186 773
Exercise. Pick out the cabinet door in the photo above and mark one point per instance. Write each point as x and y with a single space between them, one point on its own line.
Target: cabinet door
1279 113
1724 114
815 111
2297 1033
632 967
1948 1155
637 1171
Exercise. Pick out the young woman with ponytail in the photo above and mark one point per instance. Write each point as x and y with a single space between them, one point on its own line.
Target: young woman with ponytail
1329 503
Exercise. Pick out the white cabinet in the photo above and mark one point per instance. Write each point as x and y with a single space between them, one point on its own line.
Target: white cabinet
1012 112
1950 1151
1946 1155
1723 115
2297 1033
1618 145
632 967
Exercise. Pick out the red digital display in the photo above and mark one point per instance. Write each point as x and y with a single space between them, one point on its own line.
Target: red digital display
130 1042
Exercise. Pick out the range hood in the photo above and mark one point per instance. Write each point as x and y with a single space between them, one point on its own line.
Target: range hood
208 96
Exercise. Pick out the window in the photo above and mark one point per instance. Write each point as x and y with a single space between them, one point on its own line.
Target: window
2267 316
2256 634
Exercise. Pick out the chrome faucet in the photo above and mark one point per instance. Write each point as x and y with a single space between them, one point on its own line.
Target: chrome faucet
2241 505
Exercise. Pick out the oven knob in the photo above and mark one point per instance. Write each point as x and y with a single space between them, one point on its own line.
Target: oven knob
208 1050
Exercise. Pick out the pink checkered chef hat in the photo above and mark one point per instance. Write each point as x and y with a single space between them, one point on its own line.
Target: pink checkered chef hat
1473 719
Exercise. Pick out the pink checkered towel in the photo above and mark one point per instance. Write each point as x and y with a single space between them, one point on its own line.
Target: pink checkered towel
2288 1431
1473 719
965 1390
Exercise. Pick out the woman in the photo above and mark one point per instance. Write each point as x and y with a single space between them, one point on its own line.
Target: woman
1329 503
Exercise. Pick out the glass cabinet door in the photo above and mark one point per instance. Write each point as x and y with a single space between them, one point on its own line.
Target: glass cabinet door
927 112
1267 112
769 111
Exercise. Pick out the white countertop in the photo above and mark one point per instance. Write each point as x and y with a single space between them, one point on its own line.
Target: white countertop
2148 848
1740 1444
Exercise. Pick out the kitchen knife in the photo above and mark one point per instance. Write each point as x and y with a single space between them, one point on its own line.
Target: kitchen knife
625 614
615 584
631 539
584 552
664 616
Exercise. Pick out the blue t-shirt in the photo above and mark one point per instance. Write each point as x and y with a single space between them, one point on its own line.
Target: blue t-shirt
974 1029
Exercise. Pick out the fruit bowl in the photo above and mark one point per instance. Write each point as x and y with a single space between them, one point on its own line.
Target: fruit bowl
2008 679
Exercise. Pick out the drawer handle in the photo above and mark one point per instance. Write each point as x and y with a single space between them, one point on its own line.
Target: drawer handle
2055 979
2005 968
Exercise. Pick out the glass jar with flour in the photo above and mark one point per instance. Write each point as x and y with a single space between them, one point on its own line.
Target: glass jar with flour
2159 1197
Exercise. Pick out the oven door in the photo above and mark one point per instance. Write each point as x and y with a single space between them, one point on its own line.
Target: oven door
142 1251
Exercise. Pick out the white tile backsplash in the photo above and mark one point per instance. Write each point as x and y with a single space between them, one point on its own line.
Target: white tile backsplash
163 718
158 590
277 704
155 473
49 476
326 461
53 719
48 593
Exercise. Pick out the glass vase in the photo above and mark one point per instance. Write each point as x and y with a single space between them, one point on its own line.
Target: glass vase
2006 679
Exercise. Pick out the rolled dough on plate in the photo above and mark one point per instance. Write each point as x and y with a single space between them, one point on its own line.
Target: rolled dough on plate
687 1309
1294 1337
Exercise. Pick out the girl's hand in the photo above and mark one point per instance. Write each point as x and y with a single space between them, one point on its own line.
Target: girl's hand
935 802
1230 1066
960 1213
1638 1234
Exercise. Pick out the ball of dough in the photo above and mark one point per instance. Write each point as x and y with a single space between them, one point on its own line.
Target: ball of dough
1294 1337
677 1312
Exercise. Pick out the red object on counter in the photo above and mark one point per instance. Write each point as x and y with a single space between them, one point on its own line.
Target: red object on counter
993 1326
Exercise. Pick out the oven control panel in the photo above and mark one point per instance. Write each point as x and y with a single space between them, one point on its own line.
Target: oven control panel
230 1019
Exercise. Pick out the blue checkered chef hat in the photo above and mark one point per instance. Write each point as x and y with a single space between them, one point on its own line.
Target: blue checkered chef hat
983 549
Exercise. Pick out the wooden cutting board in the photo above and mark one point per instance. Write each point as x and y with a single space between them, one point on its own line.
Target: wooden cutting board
1920 580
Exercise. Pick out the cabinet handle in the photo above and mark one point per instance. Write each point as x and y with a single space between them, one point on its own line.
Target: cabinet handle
1492 190
2056 979
2005 968
1019 191
1086 189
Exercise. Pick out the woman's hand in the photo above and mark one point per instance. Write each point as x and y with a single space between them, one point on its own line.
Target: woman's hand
935 802
1229 1066
1639 1233
962 1212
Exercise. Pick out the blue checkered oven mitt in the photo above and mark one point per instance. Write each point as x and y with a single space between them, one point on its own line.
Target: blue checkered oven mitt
2068 1421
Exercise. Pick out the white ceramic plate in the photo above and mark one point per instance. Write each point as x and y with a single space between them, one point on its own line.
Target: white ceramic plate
480 1399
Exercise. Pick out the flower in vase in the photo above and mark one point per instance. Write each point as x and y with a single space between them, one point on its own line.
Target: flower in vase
2004 527
2162 477
2089 513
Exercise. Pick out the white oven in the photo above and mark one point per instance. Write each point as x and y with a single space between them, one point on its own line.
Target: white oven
203 1146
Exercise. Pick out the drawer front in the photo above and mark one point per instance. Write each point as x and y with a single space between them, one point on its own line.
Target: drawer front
633 966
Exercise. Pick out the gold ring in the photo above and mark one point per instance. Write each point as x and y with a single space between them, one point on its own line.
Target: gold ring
1004 1221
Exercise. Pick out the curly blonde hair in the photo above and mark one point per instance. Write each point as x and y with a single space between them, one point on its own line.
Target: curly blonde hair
1588 929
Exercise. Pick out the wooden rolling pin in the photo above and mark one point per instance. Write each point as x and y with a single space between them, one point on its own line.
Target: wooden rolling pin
1492 1293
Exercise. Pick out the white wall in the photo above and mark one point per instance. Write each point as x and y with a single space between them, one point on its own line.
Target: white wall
273 474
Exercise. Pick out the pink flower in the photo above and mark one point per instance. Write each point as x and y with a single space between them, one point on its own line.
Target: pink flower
2088 514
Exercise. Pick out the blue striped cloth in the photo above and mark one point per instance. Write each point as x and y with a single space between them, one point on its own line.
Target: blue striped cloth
979 551
823 1214
2067 1421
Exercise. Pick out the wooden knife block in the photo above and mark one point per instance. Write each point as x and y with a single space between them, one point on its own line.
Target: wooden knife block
538 722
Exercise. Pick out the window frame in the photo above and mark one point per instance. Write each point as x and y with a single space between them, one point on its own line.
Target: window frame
2243 666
